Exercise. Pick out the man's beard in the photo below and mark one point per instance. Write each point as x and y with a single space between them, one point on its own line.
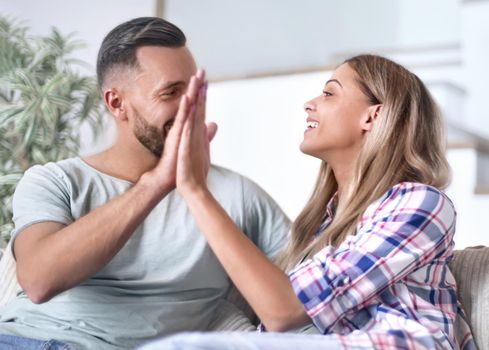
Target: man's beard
150 137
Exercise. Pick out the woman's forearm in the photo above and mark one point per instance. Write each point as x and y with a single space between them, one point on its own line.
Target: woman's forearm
266 288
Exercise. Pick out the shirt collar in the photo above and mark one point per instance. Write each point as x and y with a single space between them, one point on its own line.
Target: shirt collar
331 206
329 215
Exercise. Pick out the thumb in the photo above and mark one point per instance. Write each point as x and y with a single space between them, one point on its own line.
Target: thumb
211 130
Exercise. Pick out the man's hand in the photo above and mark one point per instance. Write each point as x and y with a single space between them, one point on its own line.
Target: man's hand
193 159
164 175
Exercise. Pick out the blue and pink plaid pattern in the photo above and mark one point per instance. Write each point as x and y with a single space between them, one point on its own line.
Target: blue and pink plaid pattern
389 286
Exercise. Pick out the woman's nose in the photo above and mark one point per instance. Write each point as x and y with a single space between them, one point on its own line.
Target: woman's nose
309 106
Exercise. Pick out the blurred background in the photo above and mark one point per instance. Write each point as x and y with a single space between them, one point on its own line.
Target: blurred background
266 58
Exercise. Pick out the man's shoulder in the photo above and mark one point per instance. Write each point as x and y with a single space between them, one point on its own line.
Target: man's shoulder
57 167
70 174
223 177
225 183
220 171
51 171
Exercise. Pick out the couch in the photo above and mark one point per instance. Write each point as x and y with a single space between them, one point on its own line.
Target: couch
470 267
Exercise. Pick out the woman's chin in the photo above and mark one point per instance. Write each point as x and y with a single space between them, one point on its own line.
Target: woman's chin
311 151
306 149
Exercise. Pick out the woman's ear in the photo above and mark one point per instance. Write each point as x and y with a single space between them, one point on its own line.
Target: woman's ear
115 103
373 113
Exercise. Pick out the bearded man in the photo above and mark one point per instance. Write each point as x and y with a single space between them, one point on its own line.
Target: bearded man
106 258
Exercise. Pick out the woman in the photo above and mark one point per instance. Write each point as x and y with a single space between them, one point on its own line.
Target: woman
367 261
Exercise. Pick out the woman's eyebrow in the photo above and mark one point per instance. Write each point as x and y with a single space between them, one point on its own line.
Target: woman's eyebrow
333 81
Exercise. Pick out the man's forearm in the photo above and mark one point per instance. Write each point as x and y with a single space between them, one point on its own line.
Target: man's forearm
48 264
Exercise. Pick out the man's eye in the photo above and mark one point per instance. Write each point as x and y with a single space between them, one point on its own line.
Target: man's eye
169 93
327 93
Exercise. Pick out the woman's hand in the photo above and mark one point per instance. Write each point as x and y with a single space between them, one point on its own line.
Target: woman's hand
193 153
164 176
266 288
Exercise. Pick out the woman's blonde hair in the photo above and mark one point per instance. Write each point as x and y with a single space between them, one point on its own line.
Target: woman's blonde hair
406 143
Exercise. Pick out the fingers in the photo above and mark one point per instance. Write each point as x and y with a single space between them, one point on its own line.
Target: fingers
182 115
196 93
173 140
194 128
211 131
189 123
196 83
201 102
186 104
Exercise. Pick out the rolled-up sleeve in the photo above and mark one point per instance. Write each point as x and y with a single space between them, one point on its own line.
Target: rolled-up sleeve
411 225
41 195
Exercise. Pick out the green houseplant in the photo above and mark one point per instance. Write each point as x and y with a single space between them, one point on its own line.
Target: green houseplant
43 101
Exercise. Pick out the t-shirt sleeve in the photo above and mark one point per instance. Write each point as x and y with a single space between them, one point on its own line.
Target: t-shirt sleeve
265 223
41 195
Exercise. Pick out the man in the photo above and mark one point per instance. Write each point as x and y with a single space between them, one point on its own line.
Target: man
106 257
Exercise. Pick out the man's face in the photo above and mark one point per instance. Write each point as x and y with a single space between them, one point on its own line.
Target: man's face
152 92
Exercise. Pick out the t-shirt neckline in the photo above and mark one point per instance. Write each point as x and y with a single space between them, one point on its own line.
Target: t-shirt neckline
102 173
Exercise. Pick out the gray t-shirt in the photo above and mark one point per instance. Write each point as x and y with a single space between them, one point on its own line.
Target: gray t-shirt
164 280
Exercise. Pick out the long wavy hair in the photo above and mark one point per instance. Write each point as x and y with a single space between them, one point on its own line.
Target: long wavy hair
406 143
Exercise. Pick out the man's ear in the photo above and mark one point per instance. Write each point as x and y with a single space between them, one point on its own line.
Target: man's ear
373 113
115 103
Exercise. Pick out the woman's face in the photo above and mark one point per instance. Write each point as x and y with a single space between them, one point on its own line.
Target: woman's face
336 119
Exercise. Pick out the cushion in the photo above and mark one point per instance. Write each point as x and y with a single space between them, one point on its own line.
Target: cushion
8 279
470 268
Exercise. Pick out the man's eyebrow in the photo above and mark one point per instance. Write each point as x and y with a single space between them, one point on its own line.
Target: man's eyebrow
169 85
333 81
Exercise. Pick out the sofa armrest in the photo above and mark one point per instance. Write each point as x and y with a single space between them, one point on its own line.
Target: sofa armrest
9 286
470 268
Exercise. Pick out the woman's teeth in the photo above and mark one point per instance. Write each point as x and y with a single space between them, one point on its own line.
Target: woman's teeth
312 125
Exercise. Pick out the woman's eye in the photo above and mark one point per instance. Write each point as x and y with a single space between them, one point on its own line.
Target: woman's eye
327 93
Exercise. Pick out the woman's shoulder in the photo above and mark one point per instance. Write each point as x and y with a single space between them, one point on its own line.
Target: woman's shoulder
412 198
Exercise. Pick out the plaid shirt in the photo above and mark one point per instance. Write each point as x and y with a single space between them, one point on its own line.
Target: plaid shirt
389 286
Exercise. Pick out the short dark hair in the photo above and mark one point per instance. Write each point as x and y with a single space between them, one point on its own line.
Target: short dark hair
119 46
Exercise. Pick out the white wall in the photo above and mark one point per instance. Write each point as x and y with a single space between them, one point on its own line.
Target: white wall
239 38
261 123
423 23
483 171
236 38
472 209
475 33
